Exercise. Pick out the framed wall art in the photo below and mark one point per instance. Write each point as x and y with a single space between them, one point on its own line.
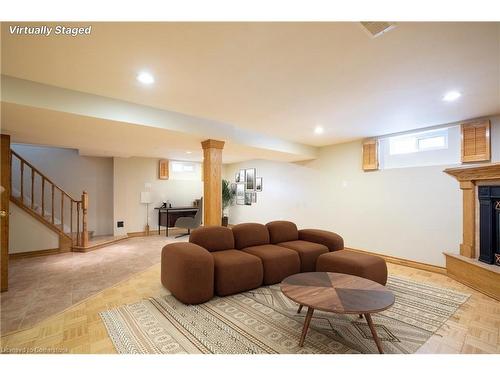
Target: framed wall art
258 184
250 179
240 193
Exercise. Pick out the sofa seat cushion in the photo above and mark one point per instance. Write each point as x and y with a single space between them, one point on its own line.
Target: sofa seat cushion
278 261
308 253
236 271
353 263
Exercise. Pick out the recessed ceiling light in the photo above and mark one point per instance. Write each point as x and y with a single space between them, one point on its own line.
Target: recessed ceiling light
189 152
145 78
318 130
451 96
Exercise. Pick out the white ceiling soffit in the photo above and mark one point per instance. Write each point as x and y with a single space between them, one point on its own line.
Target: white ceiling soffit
281 79
101 137
33 94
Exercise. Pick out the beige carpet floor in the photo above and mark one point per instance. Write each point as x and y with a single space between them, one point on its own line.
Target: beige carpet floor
265 321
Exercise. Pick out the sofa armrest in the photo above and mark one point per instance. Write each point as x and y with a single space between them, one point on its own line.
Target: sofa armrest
330 239
187 271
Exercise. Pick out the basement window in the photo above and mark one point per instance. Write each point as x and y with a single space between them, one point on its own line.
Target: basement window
418 142
423 148
185 170
181 166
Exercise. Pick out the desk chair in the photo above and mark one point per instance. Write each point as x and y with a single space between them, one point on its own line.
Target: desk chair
190 222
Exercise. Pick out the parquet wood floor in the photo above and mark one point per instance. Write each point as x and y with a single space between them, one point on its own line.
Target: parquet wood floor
474 328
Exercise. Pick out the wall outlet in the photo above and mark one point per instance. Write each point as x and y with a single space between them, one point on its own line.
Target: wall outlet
119 224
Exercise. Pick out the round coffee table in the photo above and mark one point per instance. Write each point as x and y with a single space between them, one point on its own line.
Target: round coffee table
337 293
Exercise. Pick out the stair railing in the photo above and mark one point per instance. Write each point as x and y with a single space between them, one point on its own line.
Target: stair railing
74 214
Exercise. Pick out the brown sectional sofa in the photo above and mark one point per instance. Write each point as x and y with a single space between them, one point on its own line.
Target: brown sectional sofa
223 261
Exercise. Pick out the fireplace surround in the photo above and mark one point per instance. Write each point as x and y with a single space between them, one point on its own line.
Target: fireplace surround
474 265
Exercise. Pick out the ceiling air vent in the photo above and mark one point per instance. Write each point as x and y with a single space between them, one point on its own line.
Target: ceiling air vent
377 28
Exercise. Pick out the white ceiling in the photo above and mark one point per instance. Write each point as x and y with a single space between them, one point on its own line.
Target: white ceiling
280 79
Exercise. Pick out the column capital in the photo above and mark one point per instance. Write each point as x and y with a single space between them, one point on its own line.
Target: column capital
212 143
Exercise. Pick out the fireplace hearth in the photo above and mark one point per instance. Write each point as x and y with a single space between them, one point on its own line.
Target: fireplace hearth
489 224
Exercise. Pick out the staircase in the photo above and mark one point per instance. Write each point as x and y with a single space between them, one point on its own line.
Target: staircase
39 196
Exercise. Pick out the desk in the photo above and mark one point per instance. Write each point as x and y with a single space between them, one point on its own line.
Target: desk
168 216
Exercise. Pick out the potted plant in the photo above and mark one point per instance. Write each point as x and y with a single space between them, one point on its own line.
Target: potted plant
227 200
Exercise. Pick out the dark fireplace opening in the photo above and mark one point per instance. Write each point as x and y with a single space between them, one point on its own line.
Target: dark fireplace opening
489 224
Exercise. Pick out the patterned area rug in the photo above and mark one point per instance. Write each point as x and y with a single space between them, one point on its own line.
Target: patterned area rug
265 321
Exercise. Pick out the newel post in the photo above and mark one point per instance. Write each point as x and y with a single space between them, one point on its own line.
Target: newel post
85 205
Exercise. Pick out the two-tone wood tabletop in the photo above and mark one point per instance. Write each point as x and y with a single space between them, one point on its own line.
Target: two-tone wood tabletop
338 293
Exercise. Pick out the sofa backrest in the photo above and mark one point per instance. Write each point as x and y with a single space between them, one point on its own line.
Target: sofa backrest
282 231
213 238
250 234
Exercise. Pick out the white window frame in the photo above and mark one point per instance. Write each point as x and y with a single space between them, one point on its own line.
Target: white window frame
184 166
417 137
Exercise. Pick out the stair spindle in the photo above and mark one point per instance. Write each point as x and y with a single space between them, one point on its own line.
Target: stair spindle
22 181
52 204
78 223
43 196
71 218
32 189
62 211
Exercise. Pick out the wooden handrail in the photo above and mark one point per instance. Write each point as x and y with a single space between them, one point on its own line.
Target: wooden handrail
82 237
41 174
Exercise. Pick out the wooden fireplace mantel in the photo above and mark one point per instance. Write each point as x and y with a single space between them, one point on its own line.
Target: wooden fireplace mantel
468 176
490 171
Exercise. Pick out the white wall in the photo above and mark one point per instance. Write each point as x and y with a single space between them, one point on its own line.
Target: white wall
28 234
412 213
75 173
130 177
